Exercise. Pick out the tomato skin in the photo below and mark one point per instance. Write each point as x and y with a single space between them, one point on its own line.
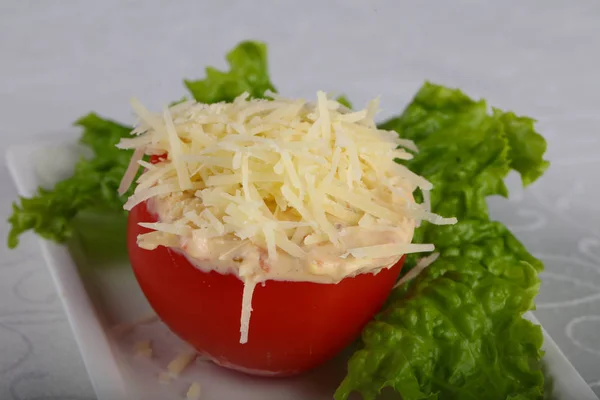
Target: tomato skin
294 326
154 159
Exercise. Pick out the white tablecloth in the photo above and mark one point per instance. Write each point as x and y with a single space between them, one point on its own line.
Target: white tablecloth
59 60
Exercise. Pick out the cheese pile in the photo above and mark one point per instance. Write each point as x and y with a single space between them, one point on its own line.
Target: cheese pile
282 173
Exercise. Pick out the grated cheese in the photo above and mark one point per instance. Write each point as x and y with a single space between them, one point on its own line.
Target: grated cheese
286 177
176 152
131 170
177 365
249 287
164 378
417 269
143 348
193 392
388 250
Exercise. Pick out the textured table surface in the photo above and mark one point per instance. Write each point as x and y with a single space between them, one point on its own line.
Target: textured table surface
60 60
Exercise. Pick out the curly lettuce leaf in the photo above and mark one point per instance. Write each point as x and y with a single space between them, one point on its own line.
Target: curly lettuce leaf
457 331
93 186
248 72
345 101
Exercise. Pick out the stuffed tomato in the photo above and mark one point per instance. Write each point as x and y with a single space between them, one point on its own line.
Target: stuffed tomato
268 233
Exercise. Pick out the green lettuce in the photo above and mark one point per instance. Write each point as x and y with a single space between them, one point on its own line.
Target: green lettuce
93 186
343 100
248 72
457 331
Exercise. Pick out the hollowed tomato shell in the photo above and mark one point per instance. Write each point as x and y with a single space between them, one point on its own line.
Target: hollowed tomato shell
294 326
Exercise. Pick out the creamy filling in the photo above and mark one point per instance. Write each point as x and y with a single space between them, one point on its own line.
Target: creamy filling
325 263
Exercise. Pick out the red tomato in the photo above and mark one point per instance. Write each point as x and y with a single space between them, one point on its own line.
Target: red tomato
294 326
154 159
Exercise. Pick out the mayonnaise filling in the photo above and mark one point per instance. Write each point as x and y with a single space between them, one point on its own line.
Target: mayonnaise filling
325 263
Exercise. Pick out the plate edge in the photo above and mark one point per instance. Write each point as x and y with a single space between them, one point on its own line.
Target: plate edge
75 300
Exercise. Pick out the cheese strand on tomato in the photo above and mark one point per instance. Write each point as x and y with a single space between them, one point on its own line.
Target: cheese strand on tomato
249 286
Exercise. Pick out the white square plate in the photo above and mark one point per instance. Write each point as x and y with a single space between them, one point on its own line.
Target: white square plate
101 295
